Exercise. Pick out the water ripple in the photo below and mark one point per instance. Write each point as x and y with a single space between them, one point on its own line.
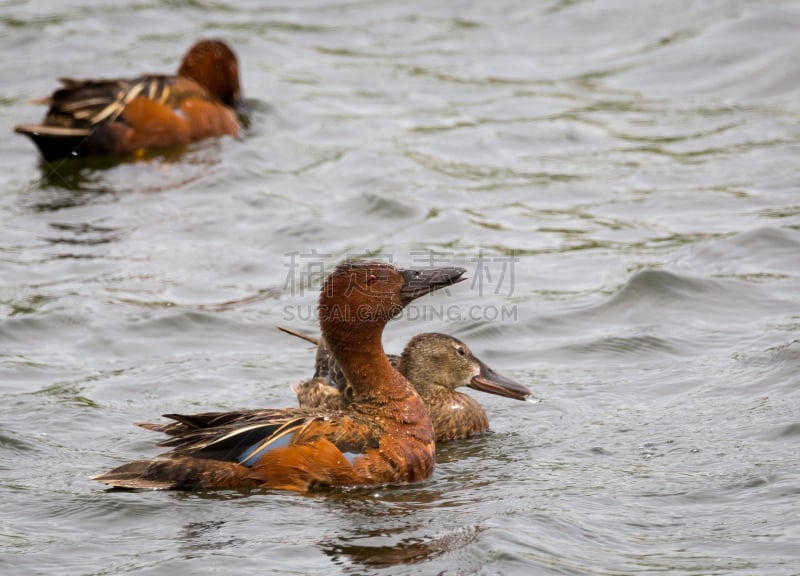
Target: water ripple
634 164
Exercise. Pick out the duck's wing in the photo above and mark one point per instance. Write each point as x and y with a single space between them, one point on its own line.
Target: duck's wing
241 435
290 449
117 116
84 104
186 425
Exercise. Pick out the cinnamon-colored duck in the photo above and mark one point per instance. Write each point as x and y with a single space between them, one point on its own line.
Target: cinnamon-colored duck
435 364
129 115
385 437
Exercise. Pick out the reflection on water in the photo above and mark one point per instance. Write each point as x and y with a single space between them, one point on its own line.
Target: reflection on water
83 234
66 188
377 548
77 182
385 529
196 537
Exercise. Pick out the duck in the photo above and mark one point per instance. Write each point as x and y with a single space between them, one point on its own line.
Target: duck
130 116
384 438
435 364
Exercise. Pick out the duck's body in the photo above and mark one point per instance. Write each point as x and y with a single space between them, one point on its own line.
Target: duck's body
385 437
127 115
435 364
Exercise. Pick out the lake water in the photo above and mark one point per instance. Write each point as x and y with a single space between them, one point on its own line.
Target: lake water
621 180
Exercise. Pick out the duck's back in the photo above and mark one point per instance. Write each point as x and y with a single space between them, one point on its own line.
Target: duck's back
88 103
123 115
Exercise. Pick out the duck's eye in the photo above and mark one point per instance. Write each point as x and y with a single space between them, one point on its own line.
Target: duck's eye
371 279
460 351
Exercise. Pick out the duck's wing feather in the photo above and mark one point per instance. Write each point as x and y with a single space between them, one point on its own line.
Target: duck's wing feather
290 449
245 436
87 103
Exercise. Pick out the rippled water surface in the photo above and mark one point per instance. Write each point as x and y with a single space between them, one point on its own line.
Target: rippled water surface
619 178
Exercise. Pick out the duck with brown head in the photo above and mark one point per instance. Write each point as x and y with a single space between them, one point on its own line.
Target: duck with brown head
121 116
386 436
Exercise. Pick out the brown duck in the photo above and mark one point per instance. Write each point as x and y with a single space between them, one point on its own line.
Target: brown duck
435 364
385 437
122 116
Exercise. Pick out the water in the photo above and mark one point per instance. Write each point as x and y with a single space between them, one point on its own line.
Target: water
639 160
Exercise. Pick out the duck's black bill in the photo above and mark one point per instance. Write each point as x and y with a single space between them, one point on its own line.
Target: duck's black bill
493 383
421 281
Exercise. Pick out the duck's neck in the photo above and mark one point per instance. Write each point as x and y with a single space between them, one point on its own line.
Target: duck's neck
358 351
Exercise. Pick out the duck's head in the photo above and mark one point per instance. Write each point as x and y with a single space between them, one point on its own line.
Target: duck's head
363 293
432 359
213 65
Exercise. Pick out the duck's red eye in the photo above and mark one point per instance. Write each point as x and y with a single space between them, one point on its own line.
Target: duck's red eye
371 279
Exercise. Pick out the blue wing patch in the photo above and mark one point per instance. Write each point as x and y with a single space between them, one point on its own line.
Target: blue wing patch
278 439
255 452
351 456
